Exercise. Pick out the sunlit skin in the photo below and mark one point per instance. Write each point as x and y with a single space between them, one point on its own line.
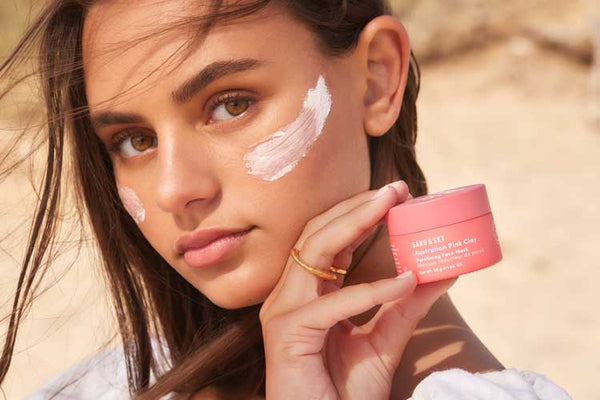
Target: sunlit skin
185 163
195 176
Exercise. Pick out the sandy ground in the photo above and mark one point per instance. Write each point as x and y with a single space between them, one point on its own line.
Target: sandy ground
512 116
520 122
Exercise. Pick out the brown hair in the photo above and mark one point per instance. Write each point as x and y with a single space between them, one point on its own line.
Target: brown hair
207 345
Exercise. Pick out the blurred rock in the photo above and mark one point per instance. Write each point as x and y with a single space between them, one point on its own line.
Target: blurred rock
446 28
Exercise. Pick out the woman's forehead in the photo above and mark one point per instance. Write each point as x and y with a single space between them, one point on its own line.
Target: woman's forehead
115 58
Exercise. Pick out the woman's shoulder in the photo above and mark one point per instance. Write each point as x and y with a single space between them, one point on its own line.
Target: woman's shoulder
102 376
508 384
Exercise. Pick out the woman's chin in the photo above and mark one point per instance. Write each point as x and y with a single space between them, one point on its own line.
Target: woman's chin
239 285
234 295
235 302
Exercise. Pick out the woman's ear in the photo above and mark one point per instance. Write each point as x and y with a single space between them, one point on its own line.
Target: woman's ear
383 54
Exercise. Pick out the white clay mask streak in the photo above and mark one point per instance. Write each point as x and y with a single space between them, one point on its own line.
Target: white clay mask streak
277 155
132 203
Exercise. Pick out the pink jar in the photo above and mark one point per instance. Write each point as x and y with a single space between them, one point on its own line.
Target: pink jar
443 235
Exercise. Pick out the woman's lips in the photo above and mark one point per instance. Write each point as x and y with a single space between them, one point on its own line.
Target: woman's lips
215 250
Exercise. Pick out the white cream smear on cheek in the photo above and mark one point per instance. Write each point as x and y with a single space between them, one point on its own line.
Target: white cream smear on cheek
278 154
132 203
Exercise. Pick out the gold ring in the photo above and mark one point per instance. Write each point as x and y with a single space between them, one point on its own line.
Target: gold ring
332 269
314 271
338 271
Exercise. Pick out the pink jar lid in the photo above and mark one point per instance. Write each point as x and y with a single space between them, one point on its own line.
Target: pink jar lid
439 209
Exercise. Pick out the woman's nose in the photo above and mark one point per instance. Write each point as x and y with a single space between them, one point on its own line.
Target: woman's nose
184 174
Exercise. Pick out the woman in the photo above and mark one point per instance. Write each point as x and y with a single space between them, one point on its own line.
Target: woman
258 127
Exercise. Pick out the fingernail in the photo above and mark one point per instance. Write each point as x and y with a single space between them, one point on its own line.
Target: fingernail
382 191
405 275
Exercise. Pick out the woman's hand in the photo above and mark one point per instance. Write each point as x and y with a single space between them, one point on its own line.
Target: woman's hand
312 350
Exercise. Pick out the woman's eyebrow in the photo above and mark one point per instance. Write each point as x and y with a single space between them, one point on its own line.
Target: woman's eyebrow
211 72
185 92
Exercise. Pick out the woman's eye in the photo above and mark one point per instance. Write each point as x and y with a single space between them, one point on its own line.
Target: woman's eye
228 107
128 144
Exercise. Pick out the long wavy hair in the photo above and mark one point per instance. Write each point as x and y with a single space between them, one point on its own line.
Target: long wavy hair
206 346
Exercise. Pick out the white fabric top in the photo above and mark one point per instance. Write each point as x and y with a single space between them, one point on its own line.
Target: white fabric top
508 384
104 377
100 377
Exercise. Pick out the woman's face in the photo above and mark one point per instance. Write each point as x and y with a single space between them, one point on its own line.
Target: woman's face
188 166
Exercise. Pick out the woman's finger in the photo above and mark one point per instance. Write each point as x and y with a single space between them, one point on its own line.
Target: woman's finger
344 206
316 317
298 286
392 326
343 259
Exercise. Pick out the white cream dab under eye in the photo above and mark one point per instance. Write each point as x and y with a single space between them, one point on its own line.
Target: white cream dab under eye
278 154
132 203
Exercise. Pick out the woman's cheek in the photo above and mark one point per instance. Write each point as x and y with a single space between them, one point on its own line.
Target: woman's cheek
278 154
132 203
